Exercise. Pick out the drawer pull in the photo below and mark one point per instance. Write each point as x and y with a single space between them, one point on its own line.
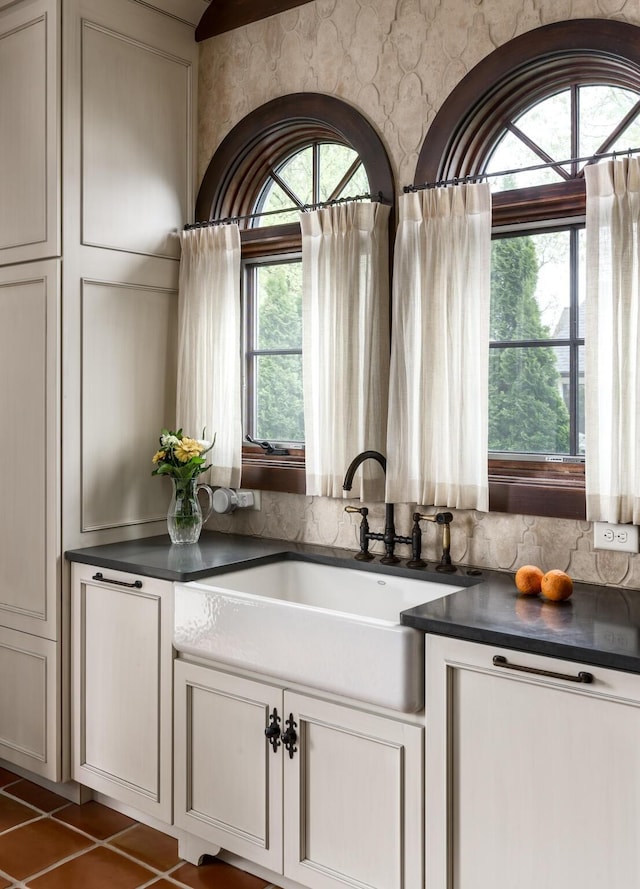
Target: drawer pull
583 676
137 584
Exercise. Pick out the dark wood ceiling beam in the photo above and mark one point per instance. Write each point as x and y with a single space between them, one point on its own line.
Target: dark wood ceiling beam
225 15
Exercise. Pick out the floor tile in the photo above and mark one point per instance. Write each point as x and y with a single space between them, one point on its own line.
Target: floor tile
6 777
29 849
95 819
159 884
12 812
216 875
150 846
4 884
37 796
101 868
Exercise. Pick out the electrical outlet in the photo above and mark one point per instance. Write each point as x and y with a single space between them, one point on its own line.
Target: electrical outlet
623 538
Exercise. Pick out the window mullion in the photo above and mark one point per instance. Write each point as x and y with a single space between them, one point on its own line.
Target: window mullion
315 172
250 308
575 127
574 354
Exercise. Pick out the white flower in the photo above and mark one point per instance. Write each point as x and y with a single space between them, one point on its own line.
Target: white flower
204 444
169 441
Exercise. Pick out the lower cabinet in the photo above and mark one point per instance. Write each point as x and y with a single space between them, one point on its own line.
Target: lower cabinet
29 702
330 796
533 774
121 673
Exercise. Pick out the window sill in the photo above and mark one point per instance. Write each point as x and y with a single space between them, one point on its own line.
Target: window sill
264 472
536 489
516 488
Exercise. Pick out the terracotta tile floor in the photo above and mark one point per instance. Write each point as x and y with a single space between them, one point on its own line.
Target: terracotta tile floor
48 843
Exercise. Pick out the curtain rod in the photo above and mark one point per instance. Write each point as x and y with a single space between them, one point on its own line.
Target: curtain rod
475 177
305 208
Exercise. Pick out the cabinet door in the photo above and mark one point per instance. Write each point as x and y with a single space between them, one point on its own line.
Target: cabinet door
121 668
129 138
29 390
30 131
532 781
228 780
353 798
29 702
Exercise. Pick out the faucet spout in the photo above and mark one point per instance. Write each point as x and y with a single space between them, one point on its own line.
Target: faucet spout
358 461
389 537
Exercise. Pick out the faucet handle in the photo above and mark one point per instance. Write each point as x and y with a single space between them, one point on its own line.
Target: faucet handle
364 555
363 510
440 518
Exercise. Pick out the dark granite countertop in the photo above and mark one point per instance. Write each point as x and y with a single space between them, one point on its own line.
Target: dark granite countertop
598 625
216 553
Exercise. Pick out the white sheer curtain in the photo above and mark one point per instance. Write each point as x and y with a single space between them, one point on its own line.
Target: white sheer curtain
612 373
209 369
438 400
345 261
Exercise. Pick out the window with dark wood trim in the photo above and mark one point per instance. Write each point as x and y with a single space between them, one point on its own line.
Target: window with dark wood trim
566 56
235 184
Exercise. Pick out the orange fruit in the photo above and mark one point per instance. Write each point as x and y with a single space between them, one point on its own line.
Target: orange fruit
529 580
556 585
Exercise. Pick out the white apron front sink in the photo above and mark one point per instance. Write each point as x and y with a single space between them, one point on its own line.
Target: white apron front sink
323 626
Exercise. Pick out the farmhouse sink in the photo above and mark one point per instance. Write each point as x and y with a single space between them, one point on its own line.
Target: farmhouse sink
323 626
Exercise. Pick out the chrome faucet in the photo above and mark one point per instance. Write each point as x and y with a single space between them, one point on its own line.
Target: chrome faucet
389 537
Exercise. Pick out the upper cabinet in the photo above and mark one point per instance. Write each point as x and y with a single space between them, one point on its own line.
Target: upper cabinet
136 151
29 130
129 84
129 138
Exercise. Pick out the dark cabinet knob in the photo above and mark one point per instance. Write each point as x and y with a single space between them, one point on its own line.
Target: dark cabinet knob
272 731
289 737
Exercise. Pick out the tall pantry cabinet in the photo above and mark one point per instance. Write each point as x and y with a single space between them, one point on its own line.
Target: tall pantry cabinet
97 150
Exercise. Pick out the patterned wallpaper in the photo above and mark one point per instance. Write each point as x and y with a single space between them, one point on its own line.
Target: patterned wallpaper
396 61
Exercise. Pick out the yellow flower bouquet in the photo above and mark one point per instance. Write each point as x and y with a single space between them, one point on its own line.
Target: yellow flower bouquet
180 456
182 459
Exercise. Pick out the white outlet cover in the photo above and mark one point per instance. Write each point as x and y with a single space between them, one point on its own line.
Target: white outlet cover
623 538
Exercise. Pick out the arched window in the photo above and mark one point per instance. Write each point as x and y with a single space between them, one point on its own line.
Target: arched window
297 150
530 111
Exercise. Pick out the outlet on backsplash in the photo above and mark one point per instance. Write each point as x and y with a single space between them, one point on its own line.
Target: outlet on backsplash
623 538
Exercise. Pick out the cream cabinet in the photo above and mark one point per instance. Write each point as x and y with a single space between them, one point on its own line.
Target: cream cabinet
97 149
332 798
30 130
533 771
129 75
30 581
29 701
29 407
121 673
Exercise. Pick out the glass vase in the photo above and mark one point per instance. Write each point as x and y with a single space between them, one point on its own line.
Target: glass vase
185 516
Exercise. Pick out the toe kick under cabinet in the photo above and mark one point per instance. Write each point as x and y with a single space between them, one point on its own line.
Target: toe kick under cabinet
332 796
121 673
533 773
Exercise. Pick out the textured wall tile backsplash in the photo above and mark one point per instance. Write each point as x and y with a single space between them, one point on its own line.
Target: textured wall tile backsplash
396 61
491 540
